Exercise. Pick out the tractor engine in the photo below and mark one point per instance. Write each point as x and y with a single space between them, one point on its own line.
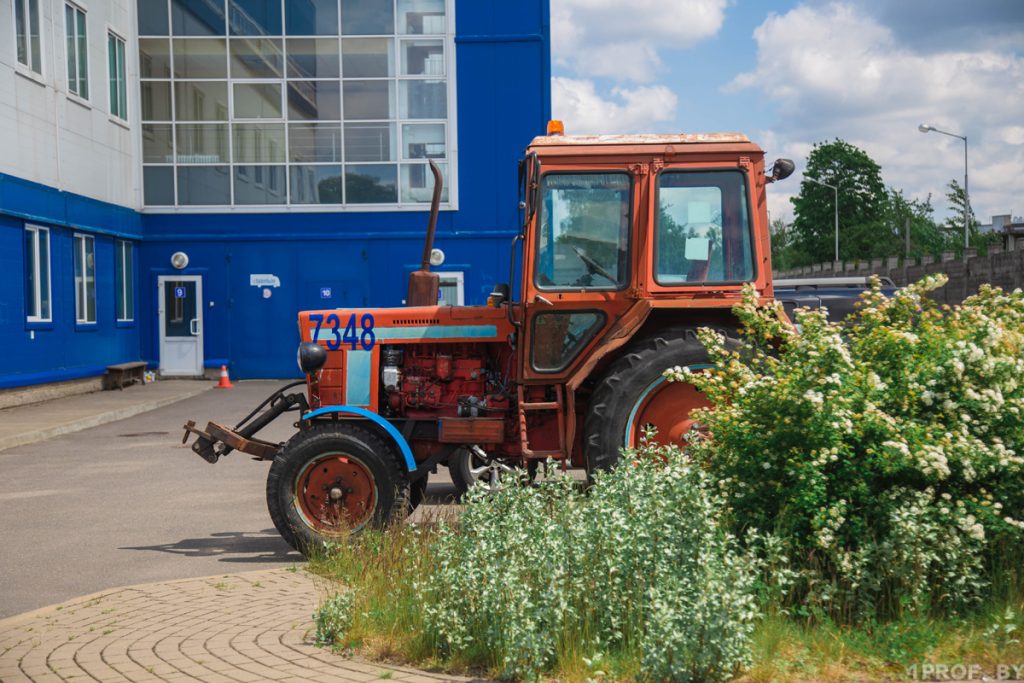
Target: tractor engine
440 380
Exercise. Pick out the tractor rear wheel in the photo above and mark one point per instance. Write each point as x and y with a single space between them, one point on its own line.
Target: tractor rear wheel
634 394
334 479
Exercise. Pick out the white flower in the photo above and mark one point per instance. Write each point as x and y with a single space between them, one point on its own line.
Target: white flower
814 397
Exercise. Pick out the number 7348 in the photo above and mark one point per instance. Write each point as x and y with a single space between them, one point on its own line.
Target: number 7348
362 336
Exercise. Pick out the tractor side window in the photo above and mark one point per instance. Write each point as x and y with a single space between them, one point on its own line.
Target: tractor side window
583 233
702 231
559 336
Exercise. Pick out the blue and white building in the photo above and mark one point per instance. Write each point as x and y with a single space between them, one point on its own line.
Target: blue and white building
179 177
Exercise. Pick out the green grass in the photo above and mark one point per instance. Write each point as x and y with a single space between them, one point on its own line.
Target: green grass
381 566
787 651
387 625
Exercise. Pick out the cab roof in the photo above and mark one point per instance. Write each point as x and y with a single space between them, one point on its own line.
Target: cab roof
670 139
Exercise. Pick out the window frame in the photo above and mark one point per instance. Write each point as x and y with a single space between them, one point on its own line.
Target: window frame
124 282
39 320
755 269
79 240
33 70
71 35
582 343
117 83
539 214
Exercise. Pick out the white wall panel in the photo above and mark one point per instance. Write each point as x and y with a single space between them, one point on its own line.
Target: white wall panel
49 137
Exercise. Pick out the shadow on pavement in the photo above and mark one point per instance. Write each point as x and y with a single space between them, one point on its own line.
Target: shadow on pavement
231 546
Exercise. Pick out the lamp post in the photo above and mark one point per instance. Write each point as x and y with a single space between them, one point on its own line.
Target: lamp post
925 128
835 189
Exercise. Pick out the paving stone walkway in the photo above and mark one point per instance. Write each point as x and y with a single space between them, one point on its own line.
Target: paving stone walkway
239 627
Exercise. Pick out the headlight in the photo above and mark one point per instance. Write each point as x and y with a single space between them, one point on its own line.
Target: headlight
311 357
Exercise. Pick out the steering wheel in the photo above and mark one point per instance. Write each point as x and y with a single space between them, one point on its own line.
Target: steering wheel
593 266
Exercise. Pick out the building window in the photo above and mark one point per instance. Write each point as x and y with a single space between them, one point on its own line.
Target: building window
85 279
118 84
295 103
78 51
37 274
125 281
26 29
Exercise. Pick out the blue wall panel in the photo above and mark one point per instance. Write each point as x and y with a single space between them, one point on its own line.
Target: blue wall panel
257 336
61 349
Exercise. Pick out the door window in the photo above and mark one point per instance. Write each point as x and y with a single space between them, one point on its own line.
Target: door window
179 307
583 231
559 336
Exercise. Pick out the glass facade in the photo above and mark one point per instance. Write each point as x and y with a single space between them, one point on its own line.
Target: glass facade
294 102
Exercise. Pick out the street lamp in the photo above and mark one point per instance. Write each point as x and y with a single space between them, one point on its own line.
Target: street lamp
836 190
925 128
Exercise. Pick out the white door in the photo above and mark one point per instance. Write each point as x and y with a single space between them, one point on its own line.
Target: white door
181 325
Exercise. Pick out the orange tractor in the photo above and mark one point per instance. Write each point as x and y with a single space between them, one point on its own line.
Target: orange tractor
628 245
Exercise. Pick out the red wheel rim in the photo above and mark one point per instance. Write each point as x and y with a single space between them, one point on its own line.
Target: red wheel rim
668 407
335 493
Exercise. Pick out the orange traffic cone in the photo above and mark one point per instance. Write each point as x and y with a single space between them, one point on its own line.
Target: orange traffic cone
225 381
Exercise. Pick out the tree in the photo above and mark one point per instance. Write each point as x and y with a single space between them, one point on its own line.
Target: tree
862 200
925 236
954 225
782 245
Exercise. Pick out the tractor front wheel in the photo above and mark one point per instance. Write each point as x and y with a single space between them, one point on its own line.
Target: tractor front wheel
634 394
334 479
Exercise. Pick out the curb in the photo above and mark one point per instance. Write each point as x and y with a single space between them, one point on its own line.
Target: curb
95 420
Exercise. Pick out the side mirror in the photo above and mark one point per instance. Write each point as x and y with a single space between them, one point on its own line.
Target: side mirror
781 169
498 296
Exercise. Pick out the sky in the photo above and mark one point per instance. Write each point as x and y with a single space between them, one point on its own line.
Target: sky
791 73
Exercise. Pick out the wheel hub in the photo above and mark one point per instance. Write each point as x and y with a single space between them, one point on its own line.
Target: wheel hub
667 406
490 469
335 492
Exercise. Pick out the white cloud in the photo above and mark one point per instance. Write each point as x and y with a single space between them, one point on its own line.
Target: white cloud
629 110
620 40
834 71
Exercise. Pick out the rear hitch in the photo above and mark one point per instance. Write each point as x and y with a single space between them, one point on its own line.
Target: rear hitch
217 440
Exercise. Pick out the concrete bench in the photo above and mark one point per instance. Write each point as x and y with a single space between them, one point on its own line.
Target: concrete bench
123 374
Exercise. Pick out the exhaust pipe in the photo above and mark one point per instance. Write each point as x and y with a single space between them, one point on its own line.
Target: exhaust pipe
424 285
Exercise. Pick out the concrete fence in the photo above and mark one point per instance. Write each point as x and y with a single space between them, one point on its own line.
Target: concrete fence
1000 267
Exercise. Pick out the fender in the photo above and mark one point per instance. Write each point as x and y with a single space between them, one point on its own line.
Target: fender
388 428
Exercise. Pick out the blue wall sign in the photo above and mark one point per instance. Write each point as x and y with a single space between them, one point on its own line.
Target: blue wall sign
179 292
325 292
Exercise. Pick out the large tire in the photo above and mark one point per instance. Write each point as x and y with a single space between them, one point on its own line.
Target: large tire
334 479
633 388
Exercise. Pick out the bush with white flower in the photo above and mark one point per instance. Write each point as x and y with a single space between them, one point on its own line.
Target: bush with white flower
887 453
637 568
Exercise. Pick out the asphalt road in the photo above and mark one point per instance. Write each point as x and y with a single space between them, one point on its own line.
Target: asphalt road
126 503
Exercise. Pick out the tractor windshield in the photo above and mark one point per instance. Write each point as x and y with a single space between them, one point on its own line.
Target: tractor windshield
702 231
583 235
